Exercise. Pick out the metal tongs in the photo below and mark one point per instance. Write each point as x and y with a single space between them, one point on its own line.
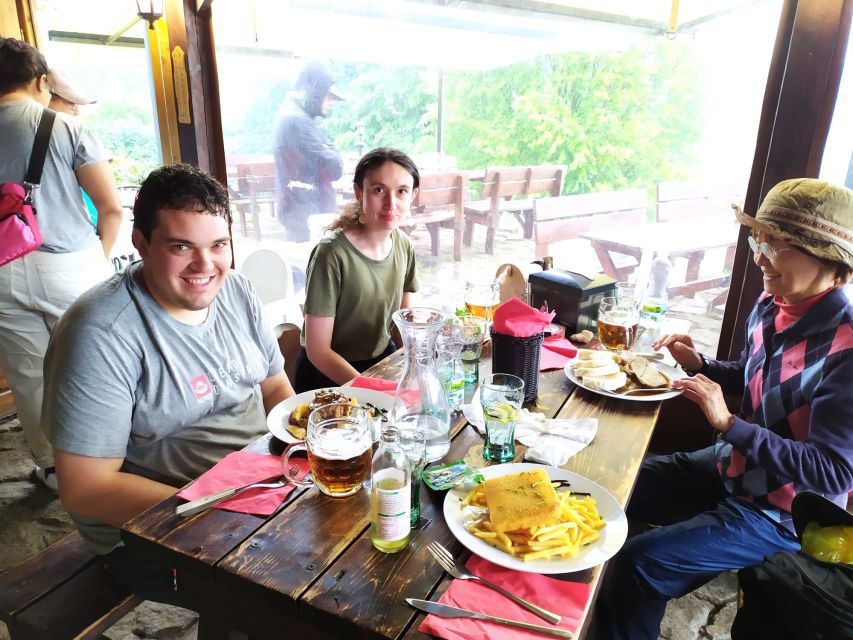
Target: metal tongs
205 502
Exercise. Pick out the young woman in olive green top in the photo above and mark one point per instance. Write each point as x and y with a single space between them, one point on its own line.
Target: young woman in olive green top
359 275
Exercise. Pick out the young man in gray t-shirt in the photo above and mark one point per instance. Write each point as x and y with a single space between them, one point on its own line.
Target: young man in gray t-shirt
158 373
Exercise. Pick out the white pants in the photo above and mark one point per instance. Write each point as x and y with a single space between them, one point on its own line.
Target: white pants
35 291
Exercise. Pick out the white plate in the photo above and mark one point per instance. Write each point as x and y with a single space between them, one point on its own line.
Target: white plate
612 535
277 419
669 371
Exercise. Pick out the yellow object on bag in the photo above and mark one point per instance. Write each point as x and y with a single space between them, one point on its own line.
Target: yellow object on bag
830 544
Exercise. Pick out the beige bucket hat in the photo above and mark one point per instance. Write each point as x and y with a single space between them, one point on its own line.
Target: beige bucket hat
812 214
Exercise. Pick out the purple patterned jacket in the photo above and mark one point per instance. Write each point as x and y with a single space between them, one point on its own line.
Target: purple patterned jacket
795 431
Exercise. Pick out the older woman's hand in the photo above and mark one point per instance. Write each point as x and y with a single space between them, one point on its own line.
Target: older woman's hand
681 347
709 396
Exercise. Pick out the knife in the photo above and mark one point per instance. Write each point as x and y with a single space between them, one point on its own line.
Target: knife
205 502
447 611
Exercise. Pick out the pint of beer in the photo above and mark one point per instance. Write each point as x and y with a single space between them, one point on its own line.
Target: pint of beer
339 446
618 322
481 298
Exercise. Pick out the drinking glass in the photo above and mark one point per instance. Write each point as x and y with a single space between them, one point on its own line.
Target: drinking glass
481 298
473 332
626 291
501 395
618 322
413 441
339 446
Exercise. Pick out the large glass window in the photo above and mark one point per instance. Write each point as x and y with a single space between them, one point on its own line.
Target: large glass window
659 127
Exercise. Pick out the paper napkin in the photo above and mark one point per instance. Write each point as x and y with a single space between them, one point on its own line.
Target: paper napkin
376 384
520 320
241 468
556 352
549 441
567 599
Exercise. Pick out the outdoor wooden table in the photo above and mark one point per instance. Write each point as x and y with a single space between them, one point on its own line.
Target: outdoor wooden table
688 238
311 569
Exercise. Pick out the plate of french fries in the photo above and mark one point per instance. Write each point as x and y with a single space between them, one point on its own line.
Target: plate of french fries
538 532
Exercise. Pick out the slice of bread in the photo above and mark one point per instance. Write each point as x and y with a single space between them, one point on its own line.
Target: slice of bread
592 368
522 500
609 382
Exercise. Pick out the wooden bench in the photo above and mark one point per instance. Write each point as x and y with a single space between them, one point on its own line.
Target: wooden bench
678 200
63 592
438 205
566 217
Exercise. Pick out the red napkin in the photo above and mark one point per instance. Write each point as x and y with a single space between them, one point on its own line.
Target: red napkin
385 386
556 352
566 599
377 384
520 320
241 468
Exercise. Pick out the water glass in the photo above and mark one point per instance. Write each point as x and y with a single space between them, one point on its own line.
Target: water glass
501 395
626 291
481 298
618 323
473 333
413 441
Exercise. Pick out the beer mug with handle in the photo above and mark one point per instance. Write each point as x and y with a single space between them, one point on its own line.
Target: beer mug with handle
338 442
618 322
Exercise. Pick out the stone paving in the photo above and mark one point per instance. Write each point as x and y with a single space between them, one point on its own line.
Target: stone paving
31 517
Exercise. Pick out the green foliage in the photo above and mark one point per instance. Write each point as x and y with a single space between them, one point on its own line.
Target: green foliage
126 132
617 119
255 133
395 105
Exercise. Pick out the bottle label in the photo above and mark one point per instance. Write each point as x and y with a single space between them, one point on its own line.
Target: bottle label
393 504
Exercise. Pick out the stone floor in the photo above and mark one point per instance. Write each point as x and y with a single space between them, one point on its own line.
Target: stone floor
31 517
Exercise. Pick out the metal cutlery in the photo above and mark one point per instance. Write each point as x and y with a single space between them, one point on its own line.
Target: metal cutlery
449 564
447 611
205 502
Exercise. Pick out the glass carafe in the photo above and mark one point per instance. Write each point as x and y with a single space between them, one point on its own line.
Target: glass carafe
420 401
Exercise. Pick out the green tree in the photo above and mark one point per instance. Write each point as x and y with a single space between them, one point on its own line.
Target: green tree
126 131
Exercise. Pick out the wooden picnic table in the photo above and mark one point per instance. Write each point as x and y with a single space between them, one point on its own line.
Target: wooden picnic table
310 568
685 238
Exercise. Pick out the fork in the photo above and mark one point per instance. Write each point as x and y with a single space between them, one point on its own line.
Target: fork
449 564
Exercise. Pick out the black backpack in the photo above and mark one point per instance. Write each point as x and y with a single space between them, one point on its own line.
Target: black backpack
793 595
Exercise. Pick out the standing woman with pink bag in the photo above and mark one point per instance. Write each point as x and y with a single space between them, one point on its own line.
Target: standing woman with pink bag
37 288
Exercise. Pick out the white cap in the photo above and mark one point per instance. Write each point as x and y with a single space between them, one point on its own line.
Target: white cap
61 85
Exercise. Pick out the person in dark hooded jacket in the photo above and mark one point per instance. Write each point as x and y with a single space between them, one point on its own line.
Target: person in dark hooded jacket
306 162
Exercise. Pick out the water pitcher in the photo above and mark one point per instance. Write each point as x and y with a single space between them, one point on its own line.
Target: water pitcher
420 401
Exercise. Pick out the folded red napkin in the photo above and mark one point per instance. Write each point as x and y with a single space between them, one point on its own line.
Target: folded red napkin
556 352
377 384
385 386
238 469
520 320
566 599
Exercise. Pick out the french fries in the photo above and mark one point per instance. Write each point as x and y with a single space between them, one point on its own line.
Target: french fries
579 525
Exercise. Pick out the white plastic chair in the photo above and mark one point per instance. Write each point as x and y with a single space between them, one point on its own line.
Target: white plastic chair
272 278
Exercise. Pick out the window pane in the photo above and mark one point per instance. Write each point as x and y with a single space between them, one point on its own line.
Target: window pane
660 129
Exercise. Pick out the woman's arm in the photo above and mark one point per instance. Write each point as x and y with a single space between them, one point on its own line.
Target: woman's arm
97 180
318 346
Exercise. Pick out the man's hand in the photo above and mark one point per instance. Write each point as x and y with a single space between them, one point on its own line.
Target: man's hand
709 396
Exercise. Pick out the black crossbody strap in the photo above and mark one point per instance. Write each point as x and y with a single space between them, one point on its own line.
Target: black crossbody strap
40 145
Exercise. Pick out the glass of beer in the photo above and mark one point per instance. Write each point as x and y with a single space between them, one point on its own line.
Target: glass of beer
339 446
481 298
618 322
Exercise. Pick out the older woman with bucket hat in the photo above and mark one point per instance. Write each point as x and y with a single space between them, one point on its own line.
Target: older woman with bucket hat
729 505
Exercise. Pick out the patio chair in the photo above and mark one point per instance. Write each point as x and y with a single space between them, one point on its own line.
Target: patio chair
272 278
499 185
439 205
546 179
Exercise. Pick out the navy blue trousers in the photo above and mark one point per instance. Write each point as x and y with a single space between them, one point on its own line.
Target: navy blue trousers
701 532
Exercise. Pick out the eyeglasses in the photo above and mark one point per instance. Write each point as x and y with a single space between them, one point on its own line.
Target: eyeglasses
768 251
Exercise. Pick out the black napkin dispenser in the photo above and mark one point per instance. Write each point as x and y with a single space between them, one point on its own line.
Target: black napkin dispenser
573 296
